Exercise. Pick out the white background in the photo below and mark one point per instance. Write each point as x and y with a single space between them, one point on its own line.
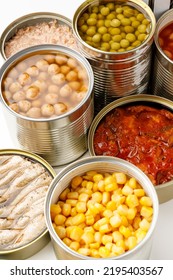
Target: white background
12 9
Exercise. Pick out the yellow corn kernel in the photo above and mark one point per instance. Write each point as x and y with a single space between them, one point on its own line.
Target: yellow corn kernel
140 234
82 225
67 241
76 233
100 207
74 245
115 220
146 201
106 198
118 199
63 195
89 220
72 195
81 207
105 228
87 237
144 225
108 245
54 210
94 253
106 238
131 242
84 190
59 219
100 222
101 186
124 221
111 205
89 185
117 250
78 219
94 245
146 211
104 252
66 209
97 196
139 192
68 230
84 183
121 243
61 231
109 180
120 177
91 173
126 190
72 202
73 211
76 182
69 221
83 197
110 187
95 187
84 251
89 229
122 210
136 222
60 203
107 213
98 237
132 200
116 235
131 213
91 206
125 231
97 177
132 183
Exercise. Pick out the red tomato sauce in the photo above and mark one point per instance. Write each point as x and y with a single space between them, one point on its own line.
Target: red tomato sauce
142 135
166 40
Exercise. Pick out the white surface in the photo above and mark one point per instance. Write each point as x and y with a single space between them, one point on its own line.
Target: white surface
162 245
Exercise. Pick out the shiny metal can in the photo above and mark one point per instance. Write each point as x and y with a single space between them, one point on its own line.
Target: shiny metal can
162 77
27 250
165 190
27 22
59 140
118 74
101 164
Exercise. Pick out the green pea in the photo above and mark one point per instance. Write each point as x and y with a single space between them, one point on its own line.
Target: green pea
142 28
100 16
95 9
105 46
115 46
106 37
100 23
124 43
111 16
131 37
125 21
120 16
111 6
84 28
93 15
96 38
121 50
114 31
135 23
91 21
107 22
140 17
142 37
119 10
128 12
105 11
81 21
117 38
102 30
136 43
91 31
115 22
129 29
85 16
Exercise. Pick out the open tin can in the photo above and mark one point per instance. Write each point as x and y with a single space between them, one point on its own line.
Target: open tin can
31 247
117 74
164 190
61 138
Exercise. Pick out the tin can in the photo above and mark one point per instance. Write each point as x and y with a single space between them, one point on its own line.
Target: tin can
162 78
31 248
59 140
28 21
118 74
101 164
165 190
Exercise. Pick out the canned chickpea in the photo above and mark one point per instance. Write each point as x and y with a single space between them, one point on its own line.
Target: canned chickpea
101 207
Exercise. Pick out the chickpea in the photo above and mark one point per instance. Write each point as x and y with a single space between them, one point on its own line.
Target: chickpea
14 107
53 89
50 58
42 76
42 85
20 95
24 79
24 105
33 71
53 69
51 98
34 112
7 82
42 64
15 86
32 92
37 102
60 108
65 91
13 73
72 62
61 59
82 75
58 79
75 85
7 95
78 96
21 67
64 69
47 110
72 76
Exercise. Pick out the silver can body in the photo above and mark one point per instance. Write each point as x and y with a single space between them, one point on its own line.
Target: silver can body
100 164
59 140
162 78
118 74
